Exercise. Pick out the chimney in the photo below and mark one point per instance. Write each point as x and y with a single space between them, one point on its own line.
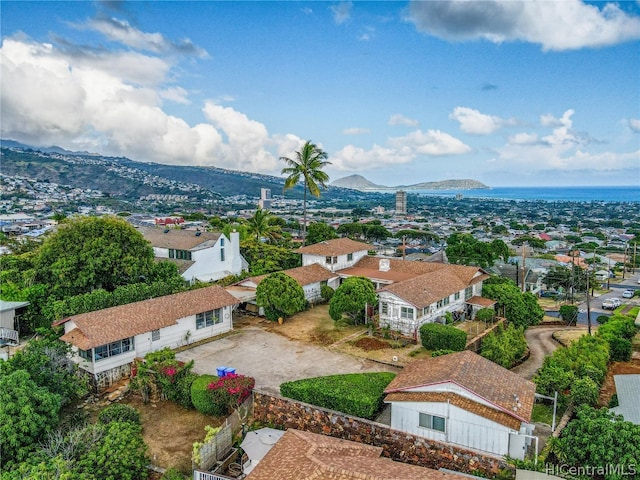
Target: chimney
234 251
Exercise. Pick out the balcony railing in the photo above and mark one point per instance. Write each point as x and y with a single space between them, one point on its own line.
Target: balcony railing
7 334
200 475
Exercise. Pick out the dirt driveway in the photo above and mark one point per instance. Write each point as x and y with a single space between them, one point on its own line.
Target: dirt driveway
541 344
273 359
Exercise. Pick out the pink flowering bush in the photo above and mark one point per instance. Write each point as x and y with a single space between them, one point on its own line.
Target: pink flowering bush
230 391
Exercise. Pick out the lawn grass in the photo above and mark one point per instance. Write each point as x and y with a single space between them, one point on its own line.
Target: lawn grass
543 413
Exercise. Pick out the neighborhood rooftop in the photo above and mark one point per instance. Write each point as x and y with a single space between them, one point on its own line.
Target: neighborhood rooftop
305 275
337 246
505 390
116 323
178 239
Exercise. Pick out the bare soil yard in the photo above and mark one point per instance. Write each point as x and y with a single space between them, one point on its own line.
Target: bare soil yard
617 368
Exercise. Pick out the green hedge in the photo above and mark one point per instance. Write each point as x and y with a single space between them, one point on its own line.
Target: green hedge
119 412
201 395
357 394
435 336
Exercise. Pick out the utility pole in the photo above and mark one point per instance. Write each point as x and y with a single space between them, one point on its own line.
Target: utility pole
588 305
524 269
624 259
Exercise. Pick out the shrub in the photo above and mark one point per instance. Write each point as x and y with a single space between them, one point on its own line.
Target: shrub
602 319
280 296
181 388
620 349
173 474
438 353
326 292
613 402
486 315
504 346
568 313
119 412
230 391
435 336
584 391
201 395
357 394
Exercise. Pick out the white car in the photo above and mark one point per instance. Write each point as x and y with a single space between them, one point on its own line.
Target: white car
611 303
628 294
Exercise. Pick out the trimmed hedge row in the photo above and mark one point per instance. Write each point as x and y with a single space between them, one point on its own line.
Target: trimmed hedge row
436 336
357 394
201 396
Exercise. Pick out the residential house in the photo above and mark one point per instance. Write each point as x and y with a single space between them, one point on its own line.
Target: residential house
203 256
464 399
10 321
310 277
628 391
299 455
106 342
334 254
532 279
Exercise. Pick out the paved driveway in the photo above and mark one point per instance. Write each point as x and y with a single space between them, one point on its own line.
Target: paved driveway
272 359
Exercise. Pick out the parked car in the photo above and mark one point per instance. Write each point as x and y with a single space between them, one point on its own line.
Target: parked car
628 294
611 303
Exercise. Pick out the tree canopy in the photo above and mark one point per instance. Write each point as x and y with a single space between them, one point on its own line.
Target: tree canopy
265 258
519 308
260 226
307 165
280 296
92 252
465 249
319 232
351 297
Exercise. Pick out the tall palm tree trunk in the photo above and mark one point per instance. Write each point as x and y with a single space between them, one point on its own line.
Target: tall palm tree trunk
304 215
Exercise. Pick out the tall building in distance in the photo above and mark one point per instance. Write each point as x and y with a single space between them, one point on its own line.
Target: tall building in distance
265 198
401 202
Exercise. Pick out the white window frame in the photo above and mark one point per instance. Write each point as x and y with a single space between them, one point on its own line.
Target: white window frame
407 313
426 420
155 335
208 318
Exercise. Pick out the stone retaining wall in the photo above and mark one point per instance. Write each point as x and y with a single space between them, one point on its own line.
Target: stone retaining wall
399 446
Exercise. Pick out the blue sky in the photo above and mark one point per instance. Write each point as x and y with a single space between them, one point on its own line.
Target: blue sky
508 93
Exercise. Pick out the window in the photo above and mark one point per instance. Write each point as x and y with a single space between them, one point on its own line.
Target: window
456 296
323 283
440 304
468 293
155 335
207 319
445 301
85 354
384 308
349 257
434 422
406 312
222 254
180 254
222 241
425 311
113 349
331 260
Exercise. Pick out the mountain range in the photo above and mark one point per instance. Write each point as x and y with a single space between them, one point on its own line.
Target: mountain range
358 182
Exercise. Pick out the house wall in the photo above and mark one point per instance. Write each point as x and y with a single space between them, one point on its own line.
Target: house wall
462 428
342 260
208 265
7 319
399 446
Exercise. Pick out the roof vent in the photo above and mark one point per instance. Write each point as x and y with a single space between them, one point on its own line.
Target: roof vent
384 265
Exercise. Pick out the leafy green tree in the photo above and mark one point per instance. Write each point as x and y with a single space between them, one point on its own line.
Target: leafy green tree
584 391
259 226
376 232
597 438
92 252
567 278
320 232
48 363
465 249
280 296
27 413
351 230
306 166
264 258
504 346
518 308
351 297
568 313
486 315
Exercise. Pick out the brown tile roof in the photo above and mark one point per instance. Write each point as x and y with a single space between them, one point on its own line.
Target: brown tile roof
178 239
481 301
337 246
304 456
111 324
467 404
306 275
507 391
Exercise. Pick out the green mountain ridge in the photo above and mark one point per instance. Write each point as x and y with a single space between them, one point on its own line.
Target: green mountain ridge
358 182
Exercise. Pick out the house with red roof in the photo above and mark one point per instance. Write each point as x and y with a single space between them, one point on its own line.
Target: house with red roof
106 342
466 400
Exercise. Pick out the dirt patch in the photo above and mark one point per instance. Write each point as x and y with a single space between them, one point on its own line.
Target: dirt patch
616 368
371 343
170 431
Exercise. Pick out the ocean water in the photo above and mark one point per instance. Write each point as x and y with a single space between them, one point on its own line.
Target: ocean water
551 194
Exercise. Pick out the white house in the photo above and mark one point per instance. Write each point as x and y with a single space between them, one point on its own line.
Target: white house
628 391
310 277
199 255
335 254
413 293
10 321
466 400
106 342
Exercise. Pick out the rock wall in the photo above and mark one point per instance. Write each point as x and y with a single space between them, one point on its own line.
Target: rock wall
399 446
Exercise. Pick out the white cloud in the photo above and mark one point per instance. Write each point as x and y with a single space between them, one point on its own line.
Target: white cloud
341 12
563 133
559 25
399 119
634 124
476 123
400 150
355 131
523 139
49 97
121 31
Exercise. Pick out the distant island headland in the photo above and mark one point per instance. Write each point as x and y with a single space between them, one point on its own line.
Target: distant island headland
358 182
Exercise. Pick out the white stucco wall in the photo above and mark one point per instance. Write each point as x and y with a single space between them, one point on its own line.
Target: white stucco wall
342 261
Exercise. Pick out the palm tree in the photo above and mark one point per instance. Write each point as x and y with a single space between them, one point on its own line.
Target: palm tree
259 225
307 165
